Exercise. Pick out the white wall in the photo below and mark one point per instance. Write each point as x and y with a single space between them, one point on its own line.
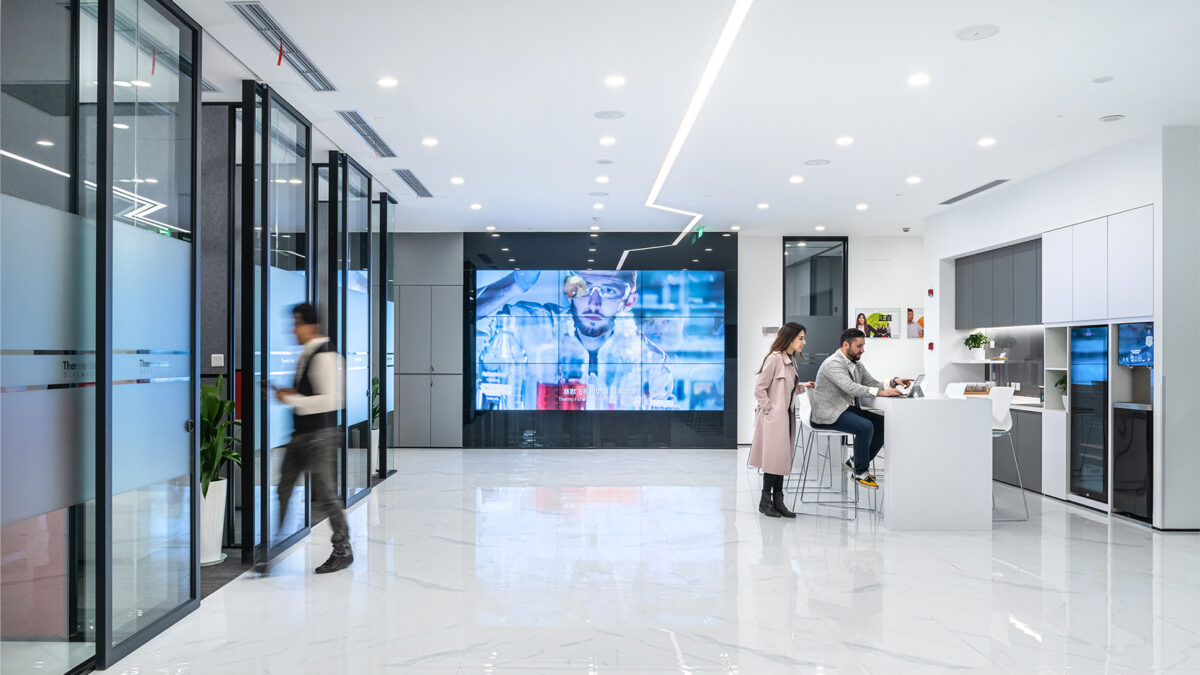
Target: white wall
760 303
883 272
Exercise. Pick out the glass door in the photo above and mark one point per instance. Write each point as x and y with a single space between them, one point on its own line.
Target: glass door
814 295
355 336
275 232
1089 412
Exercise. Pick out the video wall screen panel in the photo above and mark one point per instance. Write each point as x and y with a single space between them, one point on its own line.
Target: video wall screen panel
599 340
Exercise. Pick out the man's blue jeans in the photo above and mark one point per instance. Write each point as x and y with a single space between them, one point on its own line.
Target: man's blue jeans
867 428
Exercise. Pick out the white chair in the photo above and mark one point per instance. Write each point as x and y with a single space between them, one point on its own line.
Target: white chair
1002 426
956 390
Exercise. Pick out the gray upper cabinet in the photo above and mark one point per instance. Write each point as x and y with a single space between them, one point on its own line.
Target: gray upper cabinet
1026 292
981 270
964 295
999 288
1002 287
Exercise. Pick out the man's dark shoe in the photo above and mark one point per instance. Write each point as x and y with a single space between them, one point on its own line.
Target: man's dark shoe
766 508
340 559
780 507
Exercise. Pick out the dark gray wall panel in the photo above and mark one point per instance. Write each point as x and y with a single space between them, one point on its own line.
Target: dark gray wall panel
1002 287
214 237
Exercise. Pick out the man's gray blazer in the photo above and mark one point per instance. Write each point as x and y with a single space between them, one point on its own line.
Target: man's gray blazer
839 381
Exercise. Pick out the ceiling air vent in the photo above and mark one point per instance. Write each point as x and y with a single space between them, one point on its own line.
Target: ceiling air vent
255 14
364 129
416 185
972 193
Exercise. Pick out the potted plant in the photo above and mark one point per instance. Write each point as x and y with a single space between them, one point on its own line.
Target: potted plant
1061 386
217 445
976 340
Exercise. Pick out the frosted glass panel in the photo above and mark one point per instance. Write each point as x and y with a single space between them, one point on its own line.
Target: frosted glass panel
357 339
288 288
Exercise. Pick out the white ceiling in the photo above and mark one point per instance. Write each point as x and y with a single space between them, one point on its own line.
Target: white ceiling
509 89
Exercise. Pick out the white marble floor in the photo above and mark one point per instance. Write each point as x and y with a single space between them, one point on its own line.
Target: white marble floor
654 561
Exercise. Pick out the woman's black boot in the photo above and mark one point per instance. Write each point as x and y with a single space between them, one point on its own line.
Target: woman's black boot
766 508
780 507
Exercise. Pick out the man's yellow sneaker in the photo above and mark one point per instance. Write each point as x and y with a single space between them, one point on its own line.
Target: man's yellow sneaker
866 480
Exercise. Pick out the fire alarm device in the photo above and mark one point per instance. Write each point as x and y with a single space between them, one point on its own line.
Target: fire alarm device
931 292
930 346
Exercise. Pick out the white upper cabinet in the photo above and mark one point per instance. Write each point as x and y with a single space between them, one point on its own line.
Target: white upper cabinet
1089 260
1056 276
1131 263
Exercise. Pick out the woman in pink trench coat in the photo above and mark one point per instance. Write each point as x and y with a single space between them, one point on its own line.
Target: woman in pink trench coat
775 390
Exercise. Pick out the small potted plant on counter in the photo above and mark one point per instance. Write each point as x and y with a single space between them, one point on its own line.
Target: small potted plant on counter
977 340
217 445
1061 386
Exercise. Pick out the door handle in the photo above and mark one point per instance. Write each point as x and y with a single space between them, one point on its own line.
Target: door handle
189 426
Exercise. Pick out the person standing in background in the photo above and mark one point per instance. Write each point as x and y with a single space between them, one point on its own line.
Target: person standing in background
315 400
775 390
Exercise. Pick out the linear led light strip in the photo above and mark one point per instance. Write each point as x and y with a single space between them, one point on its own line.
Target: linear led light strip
724 43
143 206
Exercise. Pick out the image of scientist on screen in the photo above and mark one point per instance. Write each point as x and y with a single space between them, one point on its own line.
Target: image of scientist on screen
575 347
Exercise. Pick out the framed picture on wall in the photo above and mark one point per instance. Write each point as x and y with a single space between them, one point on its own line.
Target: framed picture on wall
877 323
914 322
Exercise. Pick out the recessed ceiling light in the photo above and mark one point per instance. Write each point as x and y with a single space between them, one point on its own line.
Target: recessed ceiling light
139 83
861 207
45 143
609 114
918 79
139 180
476 207
120 125
387 82
293 181
604 161
504 250
987 142
490 228
429 142
614 81
512 260
1112 118
819 228
594 228
764 205
795 180
598 206
816 162
591 250
155 180
979 32
457 180
517 269
594 235
844 141
802 243
726 235
912 180
122 83
277 180
1103 79
495 234
607 140
602 179
735 228
708 250
591 260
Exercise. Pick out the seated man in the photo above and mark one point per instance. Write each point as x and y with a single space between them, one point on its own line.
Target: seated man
840 380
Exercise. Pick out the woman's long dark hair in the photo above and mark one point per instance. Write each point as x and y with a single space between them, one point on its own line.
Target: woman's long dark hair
864 321
782 339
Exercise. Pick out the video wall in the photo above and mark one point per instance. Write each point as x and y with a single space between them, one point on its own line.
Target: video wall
599 340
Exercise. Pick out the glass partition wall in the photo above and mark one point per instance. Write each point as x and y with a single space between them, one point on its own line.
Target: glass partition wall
276 276
815 295
383 318
98 133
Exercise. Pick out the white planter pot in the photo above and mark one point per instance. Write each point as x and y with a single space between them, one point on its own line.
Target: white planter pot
212 522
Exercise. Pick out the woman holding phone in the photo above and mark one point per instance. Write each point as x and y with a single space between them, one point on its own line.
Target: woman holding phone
775 390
